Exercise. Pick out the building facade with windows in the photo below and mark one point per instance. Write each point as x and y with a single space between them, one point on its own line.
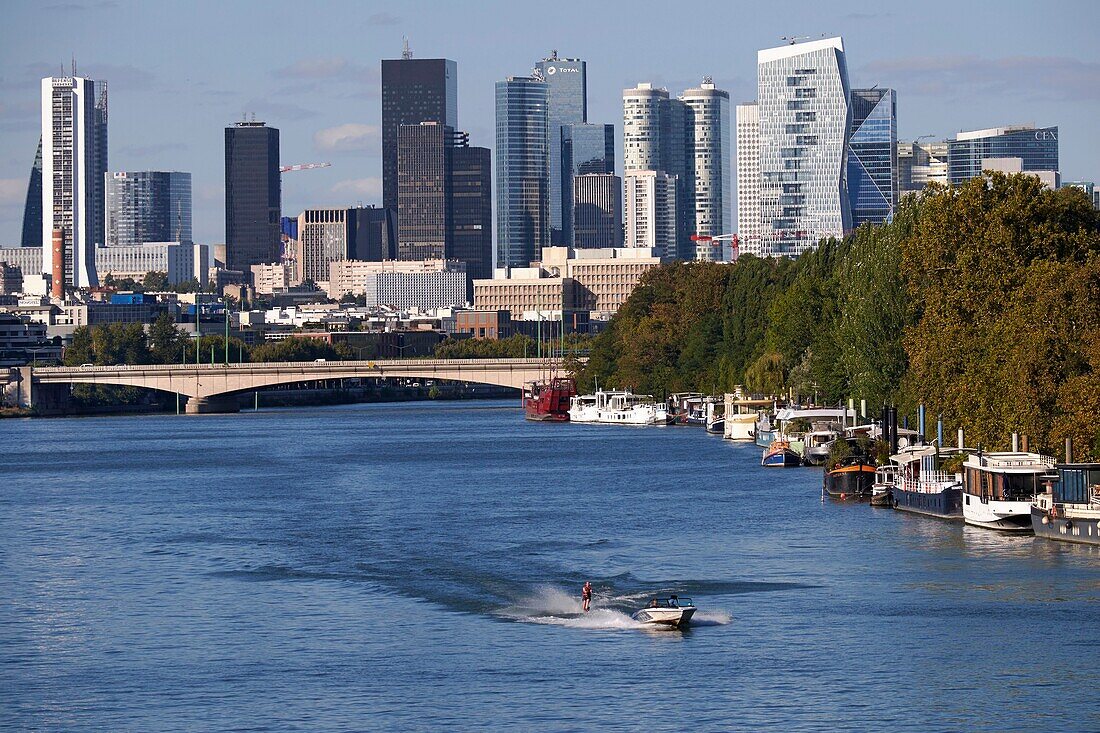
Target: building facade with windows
597 211
74 161
873 156
253 196
426 284
749 216
803 103
424 190
649 211
921 163
147 206
567 104
472 209
522 172
708 143
1036 148
585 148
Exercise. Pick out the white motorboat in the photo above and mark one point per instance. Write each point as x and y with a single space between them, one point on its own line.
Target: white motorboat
819 441
999 488
617 408
672 611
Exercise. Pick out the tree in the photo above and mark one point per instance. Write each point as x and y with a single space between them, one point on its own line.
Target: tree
167 342
296 349
155 281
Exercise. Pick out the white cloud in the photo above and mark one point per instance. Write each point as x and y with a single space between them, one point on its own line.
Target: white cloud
351 136
13 191
364 187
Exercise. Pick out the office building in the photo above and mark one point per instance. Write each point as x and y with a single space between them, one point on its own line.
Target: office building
472 210
1037 149
749 216
585 148
374 234
603 278
29 262
649 211
253 196
707 139
424 284
1050 179
424 190
180 261
921 163
147 206
567 104
413 91
274 278
526 291
324 237
873 156
522 173
32 208
597 211
1092 191
804 121
74 161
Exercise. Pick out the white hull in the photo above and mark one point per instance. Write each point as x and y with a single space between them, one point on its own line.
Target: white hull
584 414
664 616
637 415
741 428
1008 516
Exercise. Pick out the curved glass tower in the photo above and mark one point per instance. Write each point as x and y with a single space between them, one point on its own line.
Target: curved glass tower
522 170
873 156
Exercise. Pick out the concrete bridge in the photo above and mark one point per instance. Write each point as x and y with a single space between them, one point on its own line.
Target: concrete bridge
213 387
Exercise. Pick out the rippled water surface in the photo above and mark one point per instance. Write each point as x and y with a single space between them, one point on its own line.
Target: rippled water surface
418 567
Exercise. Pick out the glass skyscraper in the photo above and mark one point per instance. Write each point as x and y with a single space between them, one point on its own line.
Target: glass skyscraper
253 196
567 85
585 148
148 206
32 209
873 156
522 170
1037 149
424 190
803 104
413 91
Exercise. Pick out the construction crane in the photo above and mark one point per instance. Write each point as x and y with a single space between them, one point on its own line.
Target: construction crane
731 238
303 167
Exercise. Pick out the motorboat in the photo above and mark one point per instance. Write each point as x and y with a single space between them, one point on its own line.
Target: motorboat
715 415
882 490
672 611
999 488
582 408
818 442
779 454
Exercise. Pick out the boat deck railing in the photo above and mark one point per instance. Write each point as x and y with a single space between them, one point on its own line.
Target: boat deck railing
930 482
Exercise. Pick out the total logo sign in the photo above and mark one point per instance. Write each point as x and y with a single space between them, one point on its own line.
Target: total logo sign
551 70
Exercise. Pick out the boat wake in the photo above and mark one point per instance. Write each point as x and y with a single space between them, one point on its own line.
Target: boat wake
555 607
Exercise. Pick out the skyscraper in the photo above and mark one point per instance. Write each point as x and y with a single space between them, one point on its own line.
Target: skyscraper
253 196
921 163
650 211
522 174
413 91
74 159
472 210
803 105
374 234
148 206
32 209
567 85
1036 149
873 156
424 190
749 221
324 237
585 148
708 141
597 211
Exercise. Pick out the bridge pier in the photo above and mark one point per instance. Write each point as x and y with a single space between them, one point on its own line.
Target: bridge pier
212 405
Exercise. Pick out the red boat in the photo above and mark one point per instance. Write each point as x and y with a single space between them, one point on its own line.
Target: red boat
549 400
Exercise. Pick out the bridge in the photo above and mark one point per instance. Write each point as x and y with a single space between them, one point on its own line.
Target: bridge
214 387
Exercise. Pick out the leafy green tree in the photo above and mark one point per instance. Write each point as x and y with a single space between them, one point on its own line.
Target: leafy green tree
155 281
167 342
296 349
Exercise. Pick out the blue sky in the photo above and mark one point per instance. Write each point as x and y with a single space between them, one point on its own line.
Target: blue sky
179 72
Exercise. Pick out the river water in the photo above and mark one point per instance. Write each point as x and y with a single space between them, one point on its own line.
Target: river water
417 566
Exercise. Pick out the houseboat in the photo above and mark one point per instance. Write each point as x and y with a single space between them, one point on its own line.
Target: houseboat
999 488
850 479
743 416
922 486
1069 508
617 407
548 400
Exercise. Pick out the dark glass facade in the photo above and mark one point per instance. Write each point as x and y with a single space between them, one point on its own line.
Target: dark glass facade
472 210
424 190
873 156
522 174
253 196
413 91
32 209
567 84
148 206
597 211
1037 149
584 149
372 234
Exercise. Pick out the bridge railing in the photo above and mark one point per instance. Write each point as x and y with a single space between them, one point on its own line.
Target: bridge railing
316 364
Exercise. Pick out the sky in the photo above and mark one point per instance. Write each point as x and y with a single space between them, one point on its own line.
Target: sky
179 72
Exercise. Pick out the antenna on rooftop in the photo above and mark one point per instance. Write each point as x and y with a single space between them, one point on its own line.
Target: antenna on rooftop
406 53
791 40
74 64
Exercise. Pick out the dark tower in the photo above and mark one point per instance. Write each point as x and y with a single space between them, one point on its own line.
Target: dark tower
472 210
32 210
413 91
253 196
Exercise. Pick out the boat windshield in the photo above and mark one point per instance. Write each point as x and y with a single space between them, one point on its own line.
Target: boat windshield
671 602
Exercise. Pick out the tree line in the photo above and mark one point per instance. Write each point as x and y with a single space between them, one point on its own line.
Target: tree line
980 300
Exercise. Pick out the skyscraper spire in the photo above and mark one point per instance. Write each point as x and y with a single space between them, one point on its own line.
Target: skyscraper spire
405 52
